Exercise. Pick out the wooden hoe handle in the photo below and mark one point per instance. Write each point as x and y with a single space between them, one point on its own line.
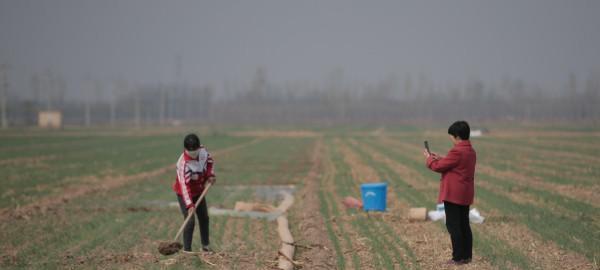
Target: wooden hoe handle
193 213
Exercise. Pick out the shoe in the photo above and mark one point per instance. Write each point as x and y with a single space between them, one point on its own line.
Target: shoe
207 249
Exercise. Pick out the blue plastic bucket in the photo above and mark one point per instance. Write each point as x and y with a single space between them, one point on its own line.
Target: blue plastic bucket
374 196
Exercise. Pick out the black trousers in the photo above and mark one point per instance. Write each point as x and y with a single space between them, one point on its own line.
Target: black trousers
188 231
457 223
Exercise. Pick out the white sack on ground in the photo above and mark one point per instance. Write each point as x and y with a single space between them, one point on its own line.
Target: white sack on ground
475 216
436 215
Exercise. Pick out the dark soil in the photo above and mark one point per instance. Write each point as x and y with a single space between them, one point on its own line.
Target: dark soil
168 248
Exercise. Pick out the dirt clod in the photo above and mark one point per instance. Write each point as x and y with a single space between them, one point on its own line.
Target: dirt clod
168 248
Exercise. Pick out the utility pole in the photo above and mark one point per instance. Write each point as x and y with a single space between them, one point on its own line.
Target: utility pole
60 85
162 106
117 86
181 91
97 92
37 92
4 94
137 107
48 88
87 120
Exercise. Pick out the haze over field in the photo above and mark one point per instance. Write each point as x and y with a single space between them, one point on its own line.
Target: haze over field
399 49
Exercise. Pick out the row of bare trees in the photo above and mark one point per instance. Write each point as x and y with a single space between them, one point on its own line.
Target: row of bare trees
335 100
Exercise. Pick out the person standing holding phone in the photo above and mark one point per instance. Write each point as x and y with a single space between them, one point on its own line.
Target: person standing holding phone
457 189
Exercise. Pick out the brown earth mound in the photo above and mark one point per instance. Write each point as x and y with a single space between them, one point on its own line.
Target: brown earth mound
168 248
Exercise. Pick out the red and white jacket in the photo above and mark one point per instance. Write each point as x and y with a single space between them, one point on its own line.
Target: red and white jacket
192 174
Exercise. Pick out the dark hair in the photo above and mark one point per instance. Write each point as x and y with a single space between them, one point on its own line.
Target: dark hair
191 142
460 129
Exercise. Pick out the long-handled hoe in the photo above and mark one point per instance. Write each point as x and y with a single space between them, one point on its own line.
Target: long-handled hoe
168 248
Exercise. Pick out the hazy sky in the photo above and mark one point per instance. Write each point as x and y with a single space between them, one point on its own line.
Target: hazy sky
539 41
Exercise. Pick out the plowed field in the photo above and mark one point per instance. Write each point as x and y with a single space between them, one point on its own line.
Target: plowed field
88 199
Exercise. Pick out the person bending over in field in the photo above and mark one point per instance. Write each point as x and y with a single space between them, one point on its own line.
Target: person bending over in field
194 170
457 189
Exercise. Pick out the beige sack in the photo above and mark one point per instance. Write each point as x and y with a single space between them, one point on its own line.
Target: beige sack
258 207
417 214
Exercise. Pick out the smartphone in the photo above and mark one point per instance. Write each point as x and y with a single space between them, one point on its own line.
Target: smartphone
427 146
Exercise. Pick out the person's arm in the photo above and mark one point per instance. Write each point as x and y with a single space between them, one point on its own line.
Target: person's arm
210 173
182 180
443 164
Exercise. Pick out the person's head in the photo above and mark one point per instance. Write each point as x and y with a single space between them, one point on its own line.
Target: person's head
191 144
459 131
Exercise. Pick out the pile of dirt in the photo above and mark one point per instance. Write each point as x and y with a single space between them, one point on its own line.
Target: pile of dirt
168 248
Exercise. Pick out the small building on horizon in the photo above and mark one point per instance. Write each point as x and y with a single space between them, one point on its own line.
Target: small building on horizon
50 119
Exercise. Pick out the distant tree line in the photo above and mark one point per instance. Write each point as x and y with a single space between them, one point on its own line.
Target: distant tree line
336 100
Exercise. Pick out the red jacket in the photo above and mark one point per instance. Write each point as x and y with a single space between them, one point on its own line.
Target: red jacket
192 174
458 174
